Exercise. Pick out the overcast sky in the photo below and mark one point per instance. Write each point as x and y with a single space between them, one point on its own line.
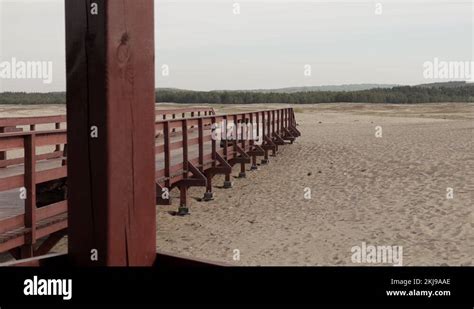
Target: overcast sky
267 45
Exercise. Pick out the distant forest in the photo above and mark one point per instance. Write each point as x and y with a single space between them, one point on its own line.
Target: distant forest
402 95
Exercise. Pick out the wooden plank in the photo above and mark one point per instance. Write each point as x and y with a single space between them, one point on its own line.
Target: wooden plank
10 142
23 121
51 210
12 223
51 138
30 185
110 84
57 225
185 147
16 161
11 182
201 142
51 174
167 150
3 154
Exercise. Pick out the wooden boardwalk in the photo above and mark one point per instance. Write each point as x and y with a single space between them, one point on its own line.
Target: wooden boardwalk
187 154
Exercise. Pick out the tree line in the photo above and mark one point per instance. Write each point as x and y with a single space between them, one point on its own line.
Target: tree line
399 95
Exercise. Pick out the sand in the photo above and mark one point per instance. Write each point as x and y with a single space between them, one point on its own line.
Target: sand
384 191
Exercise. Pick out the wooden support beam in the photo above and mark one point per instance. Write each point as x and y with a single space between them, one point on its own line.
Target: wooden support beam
269 145
288 135
252 140
30 202
16 253
295 131
256 151
242 159
223 168
111 116
227 182
49 243
197 180
278 140
208 195
3 154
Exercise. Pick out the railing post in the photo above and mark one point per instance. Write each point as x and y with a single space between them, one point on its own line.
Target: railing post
30 202
3 154
208 195
274 150
173 117
111 173
227 182
201 144
252 139
166 140
258 124
183 208
213 141
278 118
273 123
57 126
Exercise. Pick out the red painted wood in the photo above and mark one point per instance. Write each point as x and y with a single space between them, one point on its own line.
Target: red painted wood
110 78
203 157
30 185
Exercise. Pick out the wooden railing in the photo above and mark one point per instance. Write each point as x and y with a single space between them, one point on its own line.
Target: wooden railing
184 113
270 125
35 223
11 125
20 124
187 154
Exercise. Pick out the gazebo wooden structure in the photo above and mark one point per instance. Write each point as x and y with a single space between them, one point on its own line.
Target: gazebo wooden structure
120 156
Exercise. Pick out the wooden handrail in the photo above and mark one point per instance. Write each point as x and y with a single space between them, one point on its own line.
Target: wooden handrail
176 134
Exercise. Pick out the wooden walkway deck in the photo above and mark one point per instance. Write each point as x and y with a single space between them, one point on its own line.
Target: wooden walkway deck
186 155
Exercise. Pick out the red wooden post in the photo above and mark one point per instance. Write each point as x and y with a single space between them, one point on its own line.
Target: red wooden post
282 121
201 144
183 208
252 134
213 141
227 182
264 134
30 202
166 136
273 132
174 117
208 195
3 154
57 126
111 113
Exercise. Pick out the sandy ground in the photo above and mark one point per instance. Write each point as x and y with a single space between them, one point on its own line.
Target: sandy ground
384 191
